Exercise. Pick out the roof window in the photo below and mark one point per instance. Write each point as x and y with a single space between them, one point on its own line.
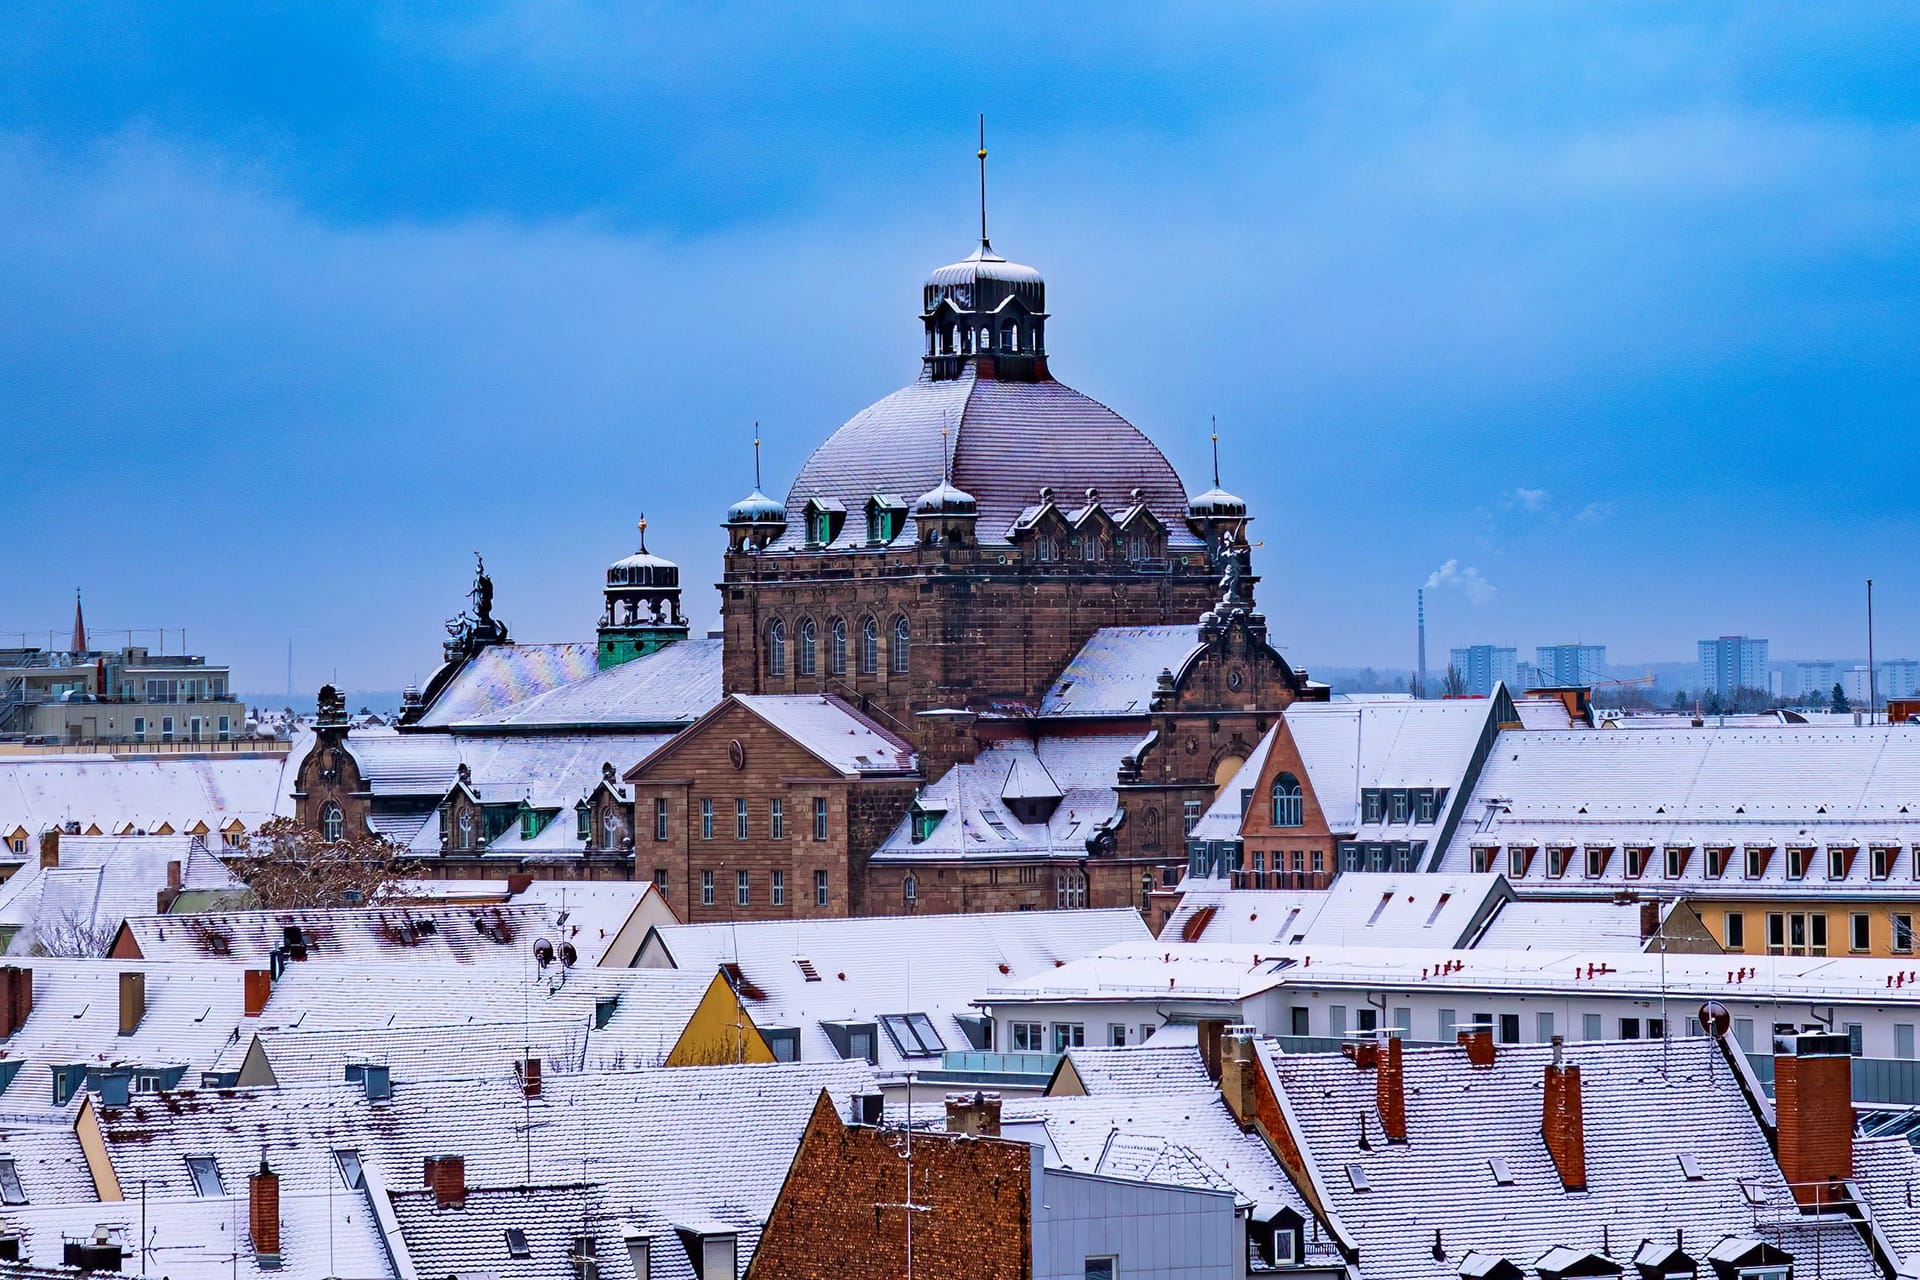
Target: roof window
913 1034
1358 1177
1501 1171
1690 1167
807 970
517 1246
205 1173
11 1192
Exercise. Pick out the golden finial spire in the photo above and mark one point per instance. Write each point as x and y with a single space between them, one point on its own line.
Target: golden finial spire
756 457
984 243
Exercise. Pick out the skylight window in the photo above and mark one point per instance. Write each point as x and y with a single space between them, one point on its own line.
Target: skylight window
1502 1173
11 1192
1358 1177
1690 1167
517 1246
999 827
913 1034
348 1163
205 1172
1438 907
1379 907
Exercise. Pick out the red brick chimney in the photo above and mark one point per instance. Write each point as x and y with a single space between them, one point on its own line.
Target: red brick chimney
1649 918
1560 1122
50 848
1239 1075
259 987
1210 1031
977 1114
1390 1088
16 998
164 900
447 1175
263 1215
1813 1112
1478 1044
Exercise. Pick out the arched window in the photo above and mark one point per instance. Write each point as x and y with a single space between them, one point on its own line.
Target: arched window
837 647
1150 829
777 648
1010 338
610 825
466 828
808 634
1286 802
902 642
909 890
333 823
869 646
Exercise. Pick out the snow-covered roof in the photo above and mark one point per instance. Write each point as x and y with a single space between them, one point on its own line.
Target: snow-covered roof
1117 669
1222 819
674 685
977 821
833 730
1644 1106
1361 908
505 674
1777 788
1140 1069
1351 747
426 933
75 907
864 967
1242 915
109 792
1562 925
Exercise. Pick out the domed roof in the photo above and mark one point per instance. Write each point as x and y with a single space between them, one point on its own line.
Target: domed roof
642 560
983 264
643 568
1216 503
944 499
756 507
1008 440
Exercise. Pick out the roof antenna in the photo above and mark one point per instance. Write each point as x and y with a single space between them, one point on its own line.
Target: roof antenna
1216 449
946 460
984 244
756 457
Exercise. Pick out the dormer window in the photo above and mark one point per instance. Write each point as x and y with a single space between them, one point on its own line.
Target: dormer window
1045 548
886 516
824 517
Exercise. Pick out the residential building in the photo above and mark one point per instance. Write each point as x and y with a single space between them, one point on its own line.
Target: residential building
1560 666
1732 663
73 898
1898 678
219 798
87 696
1815 678
1482 666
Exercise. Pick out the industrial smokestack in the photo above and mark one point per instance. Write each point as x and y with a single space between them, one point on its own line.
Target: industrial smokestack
1420 673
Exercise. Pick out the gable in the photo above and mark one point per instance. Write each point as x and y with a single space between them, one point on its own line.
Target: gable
719 1032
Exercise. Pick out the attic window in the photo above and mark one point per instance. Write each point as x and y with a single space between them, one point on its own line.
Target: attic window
205 1173
913 1034
1358 1177
1690 1167
11 1192
1502 1173
517 1246
1438 907
348 1162
1386 899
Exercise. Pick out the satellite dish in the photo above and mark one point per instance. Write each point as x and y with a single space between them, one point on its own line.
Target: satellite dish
1714 1019
569 954
543 953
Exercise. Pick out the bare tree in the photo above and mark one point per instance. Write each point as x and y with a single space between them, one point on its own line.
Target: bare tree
288 867
73 935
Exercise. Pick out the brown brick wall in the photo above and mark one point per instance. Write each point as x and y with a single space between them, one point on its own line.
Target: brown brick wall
838 1216
1813 1109
1281 843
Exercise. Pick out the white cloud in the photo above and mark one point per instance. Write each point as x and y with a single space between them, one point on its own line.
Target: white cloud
1468 581
1594 513
1529 499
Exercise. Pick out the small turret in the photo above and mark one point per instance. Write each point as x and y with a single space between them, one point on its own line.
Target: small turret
642 606
1216 515
756 520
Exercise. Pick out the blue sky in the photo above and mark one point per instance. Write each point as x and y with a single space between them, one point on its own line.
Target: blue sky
1613 306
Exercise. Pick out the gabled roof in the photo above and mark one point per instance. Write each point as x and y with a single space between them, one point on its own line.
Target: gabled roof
830 728
1350 747
865 967
671 686
101 880
412 933
504 674
977 822
1460 1117
110 792
1139 1069
1224 816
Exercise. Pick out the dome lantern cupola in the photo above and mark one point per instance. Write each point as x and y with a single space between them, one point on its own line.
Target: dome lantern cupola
986 312
642 606
756 519
1216 515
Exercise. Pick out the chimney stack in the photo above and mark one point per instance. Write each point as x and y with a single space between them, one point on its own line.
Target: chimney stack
1239 1070
1649 918
447 1175
259 988
1560 1122
975 1114
133 1001
529 1069
1210 1030
1390 1088
263 1216
1478 1044
1813 1112
50 847
16 998
164 900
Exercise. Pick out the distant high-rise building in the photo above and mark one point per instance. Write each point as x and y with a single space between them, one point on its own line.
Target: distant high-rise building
1733 662
1484 665
1897 678
1568 664
1813 677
